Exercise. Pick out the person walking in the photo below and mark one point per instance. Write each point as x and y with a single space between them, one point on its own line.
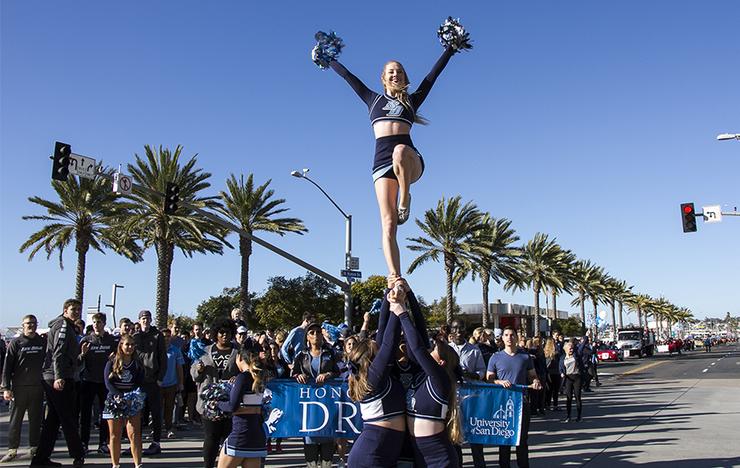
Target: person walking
124 373
573 373
218 363
59 371
95 351
554 380
514 367
21 384
172 382
151 350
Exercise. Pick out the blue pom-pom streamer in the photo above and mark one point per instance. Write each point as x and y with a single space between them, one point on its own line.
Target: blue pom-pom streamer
333 330
125 405
327 49
135 401
452 34
375 308
212 395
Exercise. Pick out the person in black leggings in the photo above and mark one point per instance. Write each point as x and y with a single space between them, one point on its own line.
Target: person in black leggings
573 373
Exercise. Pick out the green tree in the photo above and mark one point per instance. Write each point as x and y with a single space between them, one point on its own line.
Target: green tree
540 264
572 326
254 209
639 303
186 229
496 259
285 301
220 306
365 292
437 313
88 213
452 230
586 279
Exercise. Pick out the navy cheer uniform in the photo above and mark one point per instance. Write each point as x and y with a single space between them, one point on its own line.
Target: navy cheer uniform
384 107
131 378
380 446
247 438
426 398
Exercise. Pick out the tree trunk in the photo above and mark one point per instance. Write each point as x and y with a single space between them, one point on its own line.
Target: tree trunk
165 252
639 317
582 296
614 320
82 247
449 269
595 334
245 250
621 322
536 311
485 280
554 305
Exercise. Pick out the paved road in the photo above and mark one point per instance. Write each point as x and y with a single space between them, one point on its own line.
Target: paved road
663 412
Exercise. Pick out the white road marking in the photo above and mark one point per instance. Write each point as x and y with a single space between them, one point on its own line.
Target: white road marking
705 370
712 363
607 374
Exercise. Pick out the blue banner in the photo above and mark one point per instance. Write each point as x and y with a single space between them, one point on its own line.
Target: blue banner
490 414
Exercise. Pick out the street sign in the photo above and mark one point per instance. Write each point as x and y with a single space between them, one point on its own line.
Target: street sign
121 183
82 166
350 274
712 214
354 263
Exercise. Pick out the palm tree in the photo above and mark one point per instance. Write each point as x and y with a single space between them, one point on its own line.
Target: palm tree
586 277
452 230
254 209
611 293
565 272
541 264
597 294
621 294
88 212
638 303
185 229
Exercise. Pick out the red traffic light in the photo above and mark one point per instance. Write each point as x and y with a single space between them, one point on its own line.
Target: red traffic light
688 208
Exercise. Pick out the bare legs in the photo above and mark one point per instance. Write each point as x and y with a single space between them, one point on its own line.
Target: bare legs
227 461
133 427
390 194
407 167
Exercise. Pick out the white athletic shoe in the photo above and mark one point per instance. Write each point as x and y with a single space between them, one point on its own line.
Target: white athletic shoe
404 212
10 456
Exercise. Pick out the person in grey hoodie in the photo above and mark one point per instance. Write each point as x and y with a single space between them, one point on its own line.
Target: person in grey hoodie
152 352
60 369
21 382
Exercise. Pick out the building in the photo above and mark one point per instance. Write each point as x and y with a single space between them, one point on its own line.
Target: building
504 314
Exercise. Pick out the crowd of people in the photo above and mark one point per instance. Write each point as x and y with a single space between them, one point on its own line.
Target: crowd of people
79 374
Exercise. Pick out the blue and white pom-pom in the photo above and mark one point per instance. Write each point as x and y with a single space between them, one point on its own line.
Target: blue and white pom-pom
134 401
452 34
116 406
327 49
212 395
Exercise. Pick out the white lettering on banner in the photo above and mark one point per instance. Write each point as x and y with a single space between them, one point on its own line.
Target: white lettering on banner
324 409
305 392
320 392
336 392
340 404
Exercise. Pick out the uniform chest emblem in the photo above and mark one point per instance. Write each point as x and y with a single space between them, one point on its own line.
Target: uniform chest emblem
394 108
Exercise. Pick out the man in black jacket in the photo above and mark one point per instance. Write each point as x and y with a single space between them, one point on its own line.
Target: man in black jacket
150 348
95 350
60 369
21 382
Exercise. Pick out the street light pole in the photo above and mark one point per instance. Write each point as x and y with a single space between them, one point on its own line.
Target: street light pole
112 305
347 245
728 136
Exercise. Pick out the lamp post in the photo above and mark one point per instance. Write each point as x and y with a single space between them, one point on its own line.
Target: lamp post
347 244
728 136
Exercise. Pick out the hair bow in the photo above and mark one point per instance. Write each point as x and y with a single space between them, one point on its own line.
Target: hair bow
352 366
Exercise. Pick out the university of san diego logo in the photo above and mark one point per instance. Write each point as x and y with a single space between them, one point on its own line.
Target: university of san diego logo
500 423
394 108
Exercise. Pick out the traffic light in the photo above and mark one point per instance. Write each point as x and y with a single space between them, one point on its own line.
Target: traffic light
60 161
688 217
171 198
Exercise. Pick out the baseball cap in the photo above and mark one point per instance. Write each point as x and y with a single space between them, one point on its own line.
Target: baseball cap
145 313
497 332
241 329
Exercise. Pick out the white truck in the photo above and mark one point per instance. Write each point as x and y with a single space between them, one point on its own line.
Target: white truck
636 342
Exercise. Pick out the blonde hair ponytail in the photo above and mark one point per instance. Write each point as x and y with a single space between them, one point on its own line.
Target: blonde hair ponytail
451 361
360 360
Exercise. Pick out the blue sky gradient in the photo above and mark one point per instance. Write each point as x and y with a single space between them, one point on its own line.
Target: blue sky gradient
590 121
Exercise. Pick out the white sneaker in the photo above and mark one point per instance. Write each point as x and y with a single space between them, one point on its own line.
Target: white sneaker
9 456
404 212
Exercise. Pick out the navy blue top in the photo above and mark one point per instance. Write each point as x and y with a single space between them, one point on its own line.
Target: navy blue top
384 107
242 395
512 368
132 376
427 395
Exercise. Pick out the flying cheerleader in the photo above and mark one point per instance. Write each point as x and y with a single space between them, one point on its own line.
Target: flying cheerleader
397 163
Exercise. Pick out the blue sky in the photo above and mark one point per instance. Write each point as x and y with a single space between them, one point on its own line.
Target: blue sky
590 121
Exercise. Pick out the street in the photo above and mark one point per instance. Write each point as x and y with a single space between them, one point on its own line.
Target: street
666 411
